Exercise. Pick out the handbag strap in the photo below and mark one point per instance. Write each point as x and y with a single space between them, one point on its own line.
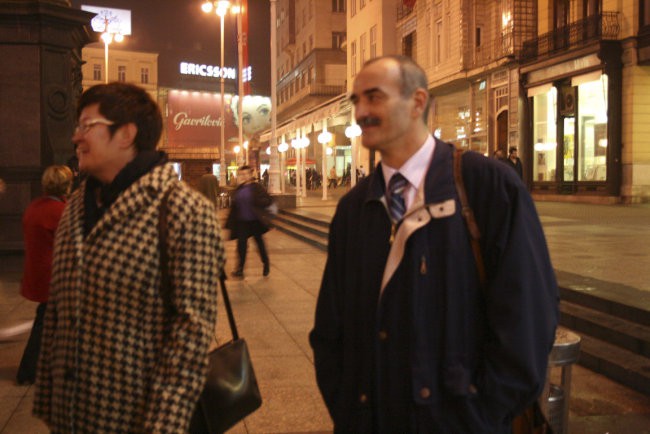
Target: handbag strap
165 279
468 215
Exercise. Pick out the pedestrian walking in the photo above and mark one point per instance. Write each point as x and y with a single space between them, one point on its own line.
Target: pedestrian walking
406 337
209 186
40 220
333 179
117 355
249 218
514 161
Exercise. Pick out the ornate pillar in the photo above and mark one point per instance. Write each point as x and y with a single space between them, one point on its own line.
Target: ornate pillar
40 82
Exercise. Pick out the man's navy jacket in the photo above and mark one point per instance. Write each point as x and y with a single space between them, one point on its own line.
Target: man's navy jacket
406 340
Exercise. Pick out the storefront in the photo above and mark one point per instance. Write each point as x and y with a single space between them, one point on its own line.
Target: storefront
574 142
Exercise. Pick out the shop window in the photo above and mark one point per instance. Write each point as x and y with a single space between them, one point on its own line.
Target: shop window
545 135
592 130
338 5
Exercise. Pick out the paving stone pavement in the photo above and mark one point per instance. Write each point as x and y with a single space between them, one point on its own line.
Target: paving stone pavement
275 314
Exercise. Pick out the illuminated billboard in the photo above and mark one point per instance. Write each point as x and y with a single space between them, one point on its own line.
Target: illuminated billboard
110 19
194 118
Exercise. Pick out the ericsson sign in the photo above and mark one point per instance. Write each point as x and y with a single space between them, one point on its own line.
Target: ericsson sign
202 70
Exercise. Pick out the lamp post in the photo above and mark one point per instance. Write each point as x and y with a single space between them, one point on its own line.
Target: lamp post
324 138
221 8
282 149
352 132
108 37
274 173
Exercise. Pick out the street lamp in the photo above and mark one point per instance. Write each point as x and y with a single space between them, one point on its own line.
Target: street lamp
283 147
237 149
352 132
221 8
108 37
324 138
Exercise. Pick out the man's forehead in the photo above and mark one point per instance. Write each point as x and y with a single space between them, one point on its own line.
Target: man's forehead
379 74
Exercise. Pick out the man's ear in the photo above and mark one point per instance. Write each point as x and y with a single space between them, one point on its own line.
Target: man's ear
126 134
420 98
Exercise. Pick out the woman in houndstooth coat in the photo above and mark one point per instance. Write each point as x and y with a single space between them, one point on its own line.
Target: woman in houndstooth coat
114 357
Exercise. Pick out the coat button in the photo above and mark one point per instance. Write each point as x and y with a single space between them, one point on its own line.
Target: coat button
383 335
363 398
425 393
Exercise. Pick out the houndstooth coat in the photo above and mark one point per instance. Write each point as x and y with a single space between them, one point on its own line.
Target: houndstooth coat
111 361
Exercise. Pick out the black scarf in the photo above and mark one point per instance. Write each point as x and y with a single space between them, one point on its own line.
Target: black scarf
143 163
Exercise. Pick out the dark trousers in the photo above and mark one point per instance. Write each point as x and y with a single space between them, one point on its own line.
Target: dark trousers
245 230
27 368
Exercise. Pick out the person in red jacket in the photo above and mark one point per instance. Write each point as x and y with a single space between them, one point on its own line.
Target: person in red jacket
40 221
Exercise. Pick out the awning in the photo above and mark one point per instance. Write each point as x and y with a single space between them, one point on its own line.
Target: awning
292 162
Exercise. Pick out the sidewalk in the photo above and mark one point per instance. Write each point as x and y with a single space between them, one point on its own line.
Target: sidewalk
275 315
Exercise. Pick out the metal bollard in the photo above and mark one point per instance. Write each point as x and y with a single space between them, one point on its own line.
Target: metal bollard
555 402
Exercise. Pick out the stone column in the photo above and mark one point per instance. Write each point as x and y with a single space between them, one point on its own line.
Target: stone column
40 82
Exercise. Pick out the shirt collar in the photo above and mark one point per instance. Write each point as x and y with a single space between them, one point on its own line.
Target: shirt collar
415 168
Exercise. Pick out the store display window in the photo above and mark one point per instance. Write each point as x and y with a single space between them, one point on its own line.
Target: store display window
545 135
592 128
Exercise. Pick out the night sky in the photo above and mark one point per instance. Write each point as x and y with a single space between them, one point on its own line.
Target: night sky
178 30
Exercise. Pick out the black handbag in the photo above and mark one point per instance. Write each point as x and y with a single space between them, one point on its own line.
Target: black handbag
231 391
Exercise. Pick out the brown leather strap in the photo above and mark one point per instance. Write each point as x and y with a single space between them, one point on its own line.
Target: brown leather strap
468 215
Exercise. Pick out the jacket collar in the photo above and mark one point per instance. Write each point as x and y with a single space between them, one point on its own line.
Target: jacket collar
438 181
138 195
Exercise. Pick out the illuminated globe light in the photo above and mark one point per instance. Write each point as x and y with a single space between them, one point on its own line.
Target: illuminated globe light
237 148
353 130
107 37
268 150
206 7
245 145
222 7
304 142
295 143
283 147
119 37
328 151
324 137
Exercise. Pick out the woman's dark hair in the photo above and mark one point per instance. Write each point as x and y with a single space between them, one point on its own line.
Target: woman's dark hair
125 103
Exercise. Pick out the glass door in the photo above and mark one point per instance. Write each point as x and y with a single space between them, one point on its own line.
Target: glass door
568 152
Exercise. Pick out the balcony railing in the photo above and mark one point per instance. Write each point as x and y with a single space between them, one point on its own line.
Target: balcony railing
498 48
577 34
403 11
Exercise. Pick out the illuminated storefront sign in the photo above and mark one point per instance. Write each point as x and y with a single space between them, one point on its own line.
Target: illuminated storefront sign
202 70
194 118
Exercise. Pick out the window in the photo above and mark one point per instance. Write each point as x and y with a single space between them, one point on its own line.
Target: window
353 7
338 5
97 72
353 58
362 4
144 75
373 41
438 53
544 135
121 73
338 38
362 48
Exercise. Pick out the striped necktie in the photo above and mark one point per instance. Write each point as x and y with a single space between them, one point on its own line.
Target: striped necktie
395 198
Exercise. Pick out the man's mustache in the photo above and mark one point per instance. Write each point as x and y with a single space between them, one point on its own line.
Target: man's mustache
368 121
